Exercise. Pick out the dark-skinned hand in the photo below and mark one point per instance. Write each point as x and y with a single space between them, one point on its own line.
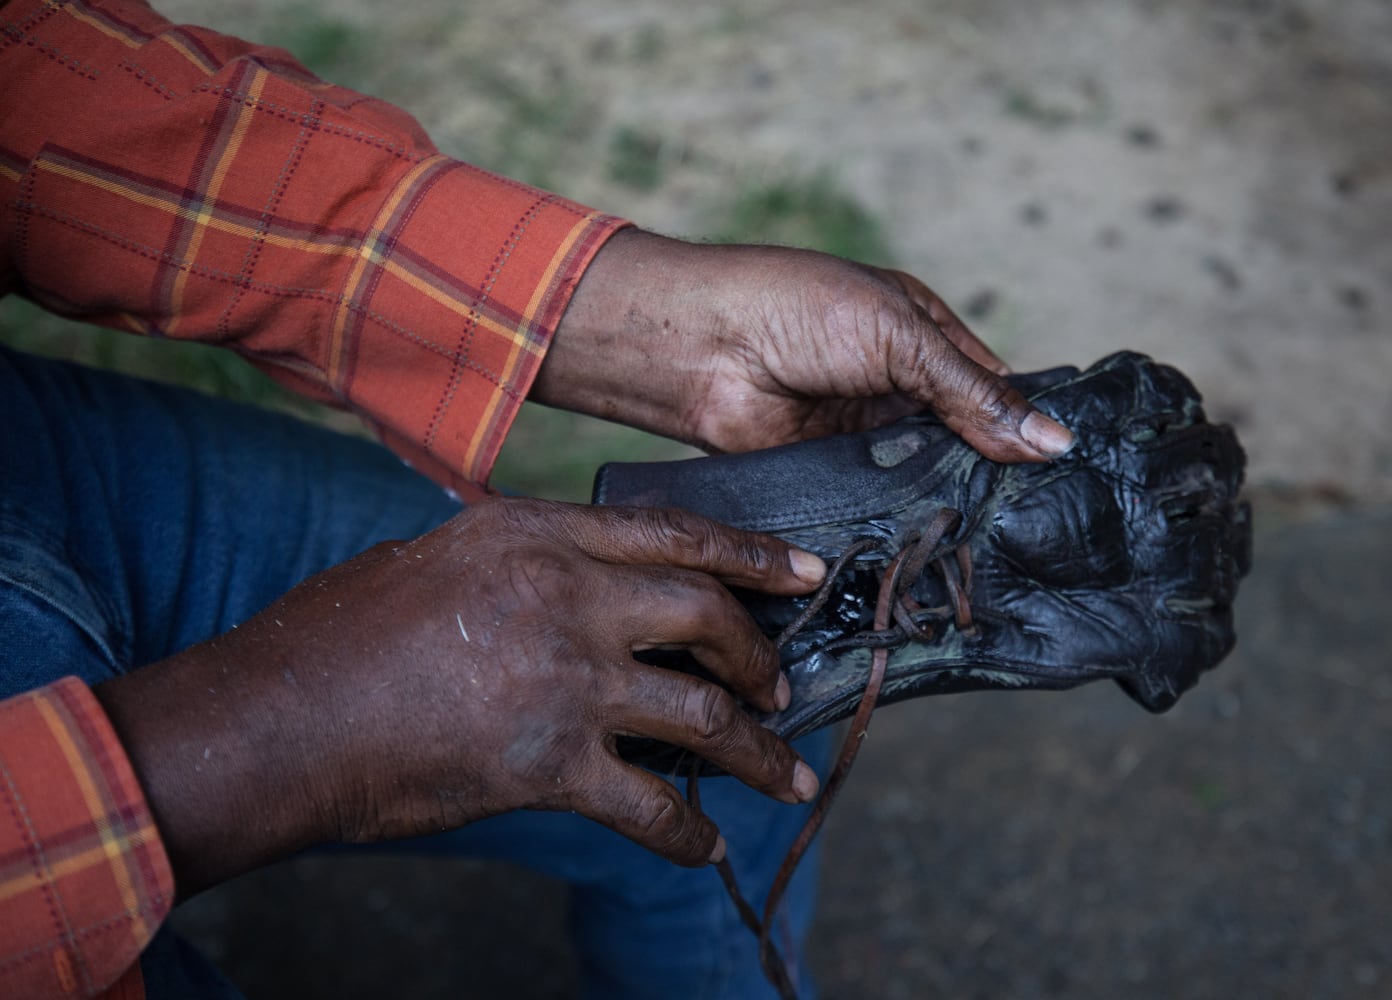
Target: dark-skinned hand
733 348
484 667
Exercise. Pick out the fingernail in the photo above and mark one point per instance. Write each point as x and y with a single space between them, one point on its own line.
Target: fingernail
783 693
718 851
1045 435
807 567
805 783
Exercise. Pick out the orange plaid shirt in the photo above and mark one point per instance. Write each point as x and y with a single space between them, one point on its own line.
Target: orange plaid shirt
172 181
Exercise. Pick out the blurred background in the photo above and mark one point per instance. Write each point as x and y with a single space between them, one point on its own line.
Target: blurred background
1208 181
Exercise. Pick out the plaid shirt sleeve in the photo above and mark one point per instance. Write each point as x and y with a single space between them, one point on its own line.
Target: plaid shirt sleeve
176 182
84 881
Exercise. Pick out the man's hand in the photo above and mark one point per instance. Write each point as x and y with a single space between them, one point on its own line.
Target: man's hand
734 348
484 667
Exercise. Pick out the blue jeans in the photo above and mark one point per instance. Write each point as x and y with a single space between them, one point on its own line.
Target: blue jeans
138 519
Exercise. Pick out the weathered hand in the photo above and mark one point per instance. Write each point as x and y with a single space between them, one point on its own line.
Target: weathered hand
734 348
484 667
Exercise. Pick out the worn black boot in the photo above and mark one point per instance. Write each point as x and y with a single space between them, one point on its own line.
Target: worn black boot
1117 560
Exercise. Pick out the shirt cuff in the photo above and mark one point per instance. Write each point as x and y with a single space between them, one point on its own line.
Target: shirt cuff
84 879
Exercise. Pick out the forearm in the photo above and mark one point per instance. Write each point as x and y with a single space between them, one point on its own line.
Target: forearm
627 347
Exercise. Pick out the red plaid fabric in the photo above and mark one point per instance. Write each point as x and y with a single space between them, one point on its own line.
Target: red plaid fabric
84 881
177 182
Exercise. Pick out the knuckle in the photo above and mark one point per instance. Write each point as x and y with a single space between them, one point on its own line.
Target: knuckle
513 517
531 579
769 765
710 713
664 826
917 352
764 658
676 532
993 398
756 555
707 603
777 761
903 334
534 574
697 541
507 511
661 825
540 758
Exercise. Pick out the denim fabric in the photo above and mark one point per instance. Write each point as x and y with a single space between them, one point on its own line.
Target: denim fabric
137 519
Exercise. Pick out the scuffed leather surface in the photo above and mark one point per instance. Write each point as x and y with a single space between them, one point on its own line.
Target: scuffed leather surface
1118 560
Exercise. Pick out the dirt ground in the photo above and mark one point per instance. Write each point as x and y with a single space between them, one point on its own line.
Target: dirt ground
1209 181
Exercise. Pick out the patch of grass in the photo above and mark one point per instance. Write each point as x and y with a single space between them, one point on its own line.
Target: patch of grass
810 212
735 19
541 131
554 454
331 48
1023 104
649 43
635 159
1055 108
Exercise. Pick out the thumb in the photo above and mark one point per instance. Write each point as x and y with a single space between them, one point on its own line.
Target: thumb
977 403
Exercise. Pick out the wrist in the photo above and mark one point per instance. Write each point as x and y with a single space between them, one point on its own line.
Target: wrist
227 773
640 336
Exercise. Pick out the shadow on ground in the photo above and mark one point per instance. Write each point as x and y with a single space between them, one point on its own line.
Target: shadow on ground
994 845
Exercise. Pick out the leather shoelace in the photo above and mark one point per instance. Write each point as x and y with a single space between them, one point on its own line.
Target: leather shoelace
912 622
